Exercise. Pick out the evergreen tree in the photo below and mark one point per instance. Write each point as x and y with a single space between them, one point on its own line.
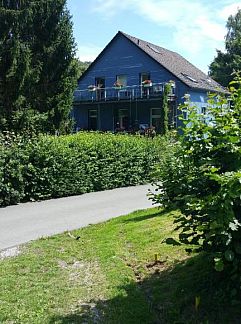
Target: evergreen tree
14 61
37 65
226 64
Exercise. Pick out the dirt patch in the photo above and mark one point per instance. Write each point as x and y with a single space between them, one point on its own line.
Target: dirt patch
155 267
82 272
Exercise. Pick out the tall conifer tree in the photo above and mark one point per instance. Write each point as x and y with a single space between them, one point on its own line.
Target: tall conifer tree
14 61
37 67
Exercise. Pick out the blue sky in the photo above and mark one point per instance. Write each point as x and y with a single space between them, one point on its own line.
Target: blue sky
193 28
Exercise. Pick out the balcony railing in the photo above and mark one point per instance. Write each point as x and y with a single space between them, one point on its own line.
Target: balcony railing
122 93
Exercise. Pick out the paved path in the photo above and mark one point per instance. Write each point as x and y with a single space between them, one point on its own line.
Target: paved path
29 221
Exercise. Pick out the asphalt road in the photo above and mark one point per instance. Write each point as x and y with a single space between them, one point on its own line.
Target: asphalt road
25 222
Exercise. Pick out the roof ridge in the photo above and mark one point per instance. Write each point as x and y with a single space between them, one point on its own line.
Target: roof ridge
144 41
165 49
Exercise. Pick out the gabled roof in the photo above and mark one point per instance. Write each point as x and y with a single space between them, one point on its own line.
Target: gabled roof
173 62
177 65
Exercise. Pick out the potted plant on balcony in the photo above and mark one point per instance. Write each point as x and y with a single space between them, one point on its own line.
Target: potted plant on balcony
118 85
147 83
92 87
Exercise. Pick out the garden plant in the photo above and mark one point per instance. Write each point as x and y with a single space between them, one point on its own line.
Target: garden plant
201 176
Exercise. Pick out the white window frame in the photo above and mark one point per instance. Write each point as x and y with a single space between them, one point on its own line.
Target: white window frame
154 115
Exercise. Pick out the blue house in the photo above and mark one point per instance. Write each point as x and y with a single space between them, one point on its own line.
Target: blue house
123 88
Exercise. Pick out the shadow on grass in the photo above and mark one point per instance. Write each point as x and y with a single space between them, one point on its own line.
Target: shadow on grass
159 212
166 295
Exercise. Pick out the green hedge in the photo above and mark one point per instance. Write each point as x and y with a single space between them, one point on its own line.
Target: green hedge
50 167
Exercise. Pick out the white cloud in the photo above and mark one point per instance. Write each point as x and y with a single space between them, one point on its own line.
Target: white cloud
109 8
211 29
229 10
196 27
88 52
193 24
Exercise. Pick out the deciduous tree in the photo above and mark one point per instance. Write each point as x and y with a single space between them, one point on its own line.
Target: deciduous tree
227 63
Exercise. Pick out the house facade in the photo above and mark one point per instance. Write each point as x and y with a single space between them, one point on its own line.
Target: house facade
123 88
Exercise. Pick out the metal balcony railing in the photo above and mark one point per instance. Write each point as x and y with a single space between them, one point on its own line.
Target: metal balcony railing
121 93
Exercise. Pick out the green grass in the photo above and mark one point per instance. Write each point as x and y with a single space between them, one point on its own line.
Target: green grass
109 275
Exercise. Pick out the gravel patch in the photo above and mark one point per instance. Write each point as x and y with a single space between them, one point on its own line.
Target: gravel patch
10 253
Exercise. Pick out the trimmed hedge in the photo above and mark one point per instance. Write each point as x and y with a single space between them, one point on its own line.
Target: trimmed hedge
50 167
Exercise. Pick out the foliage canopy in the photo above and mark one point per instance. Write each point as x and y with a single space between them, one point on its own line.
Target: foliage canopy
82 66
228 62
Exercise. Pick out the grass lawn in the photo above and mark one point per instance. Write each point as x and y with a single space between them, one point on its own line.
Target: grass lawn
119 271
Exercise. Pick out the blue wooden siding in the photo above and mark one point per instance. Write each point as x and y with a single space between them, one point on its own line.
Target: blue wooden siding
122 57
80 116
106 117
199 99
138 112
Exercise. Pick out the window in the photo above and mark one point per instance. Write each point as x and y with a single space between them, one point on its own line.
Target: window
203 110
189 78
93 119
156 111
100 84
123 119
173 87
156 118
144 76
121 79
204 116
145 89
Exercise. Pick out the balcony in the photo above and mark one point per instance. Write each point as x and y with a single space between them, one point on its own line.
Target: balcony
129 93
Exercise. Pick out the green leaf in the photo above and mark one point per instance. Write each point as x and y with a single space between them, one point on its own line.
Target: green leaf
229 255
219 265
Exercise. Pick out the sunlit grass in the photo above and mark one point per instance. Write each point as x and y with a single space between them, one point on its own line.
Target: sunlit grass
120 271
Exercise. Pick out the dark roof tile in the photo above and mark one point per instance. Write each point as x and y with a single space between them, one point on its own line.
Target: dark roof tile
177 65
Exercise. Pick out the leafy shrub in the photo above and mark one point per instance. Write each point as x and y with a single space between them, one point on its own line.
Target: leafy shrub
48 167
12 160
202 177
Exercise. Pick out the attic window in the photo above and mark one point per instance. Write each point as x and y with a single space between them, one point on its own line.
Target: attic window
189 77
154 49
208 81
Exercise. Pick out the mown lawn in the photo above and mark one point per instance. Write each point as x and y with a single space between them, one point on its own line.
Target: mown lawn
120 271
